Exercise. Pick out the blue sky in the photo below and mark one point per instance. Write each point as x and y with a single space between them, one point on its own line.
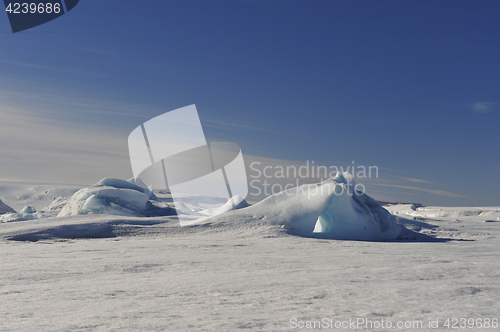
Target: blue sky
412 87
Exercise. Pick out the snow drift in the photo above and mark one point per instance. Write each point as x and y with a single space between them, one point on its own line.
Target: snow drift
116 197
331 209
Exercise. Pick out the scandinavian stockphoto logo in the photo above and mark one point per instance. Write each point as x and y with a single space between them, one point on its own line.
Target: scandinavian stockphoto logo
170 153
31 13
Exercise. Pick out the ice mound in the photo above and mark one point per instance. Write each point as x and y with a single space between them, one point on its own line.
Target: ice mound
30 213
331 209
135 184
56 206
235 202
27 213
28 209
9 217
196 209
351 215
116 197
4 208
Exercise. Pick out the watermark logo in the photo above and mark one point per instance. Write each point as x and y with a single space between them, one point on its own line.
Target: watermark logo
170 152
269 179
27 14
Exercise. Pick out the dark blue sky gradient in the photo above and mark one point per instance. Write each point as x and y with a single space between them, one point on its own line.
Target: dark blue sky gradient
386 83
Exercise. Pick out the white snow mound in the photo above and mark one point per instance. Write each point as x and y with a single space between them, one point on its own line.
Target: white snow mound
116 197
331 209
235 202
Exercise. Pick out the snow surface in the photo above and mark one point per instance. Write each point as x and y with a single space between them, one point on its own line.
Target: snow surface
246 271
108 273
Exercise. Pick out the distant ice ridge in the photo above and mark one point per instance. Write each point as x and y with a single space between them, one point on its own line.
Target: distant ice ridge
331 209
483 214
116 197
8 214
4 208
30 213
124 198
27 213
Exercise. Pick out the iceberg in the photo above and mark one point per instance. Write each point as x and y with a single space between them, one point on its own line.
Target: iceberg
116 197
331 209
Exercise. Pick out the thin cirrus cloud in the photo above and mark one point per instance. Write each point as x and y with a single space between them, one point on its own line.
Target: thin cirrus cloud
36 150
233 126
483 107
430 191
85 154
416 180
54 68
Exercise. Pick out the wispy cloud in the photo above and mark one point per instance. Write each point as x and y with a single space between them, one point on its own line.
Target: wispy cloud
234 126
483 107
49 107
416 180
430 191
6 156
54 69
54 151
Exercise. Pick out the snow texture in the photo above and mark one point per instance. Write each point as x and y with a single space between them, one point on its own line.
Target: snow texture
110 273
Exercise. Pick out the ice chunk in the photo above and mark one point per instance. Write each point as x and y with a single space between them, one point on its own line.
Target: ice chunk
134 184
331 209
138 182
28 209
117 197
350 215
